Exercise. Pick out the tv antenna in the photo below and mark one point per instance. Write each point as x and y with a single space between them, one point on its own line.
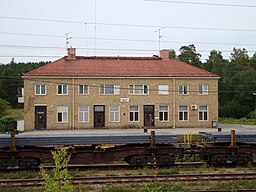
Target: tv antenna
159 37
68 37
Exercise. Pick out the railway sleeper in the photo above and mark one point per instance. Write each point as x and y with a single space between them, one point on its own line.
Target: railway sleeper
19 162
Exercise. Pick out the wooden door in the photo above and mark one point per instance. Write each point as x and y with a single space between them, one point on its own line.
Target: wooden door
40 117
149 116
99 116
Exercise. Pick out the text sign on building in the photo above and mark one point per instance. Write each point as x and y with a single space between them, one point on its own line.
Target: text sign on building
124 100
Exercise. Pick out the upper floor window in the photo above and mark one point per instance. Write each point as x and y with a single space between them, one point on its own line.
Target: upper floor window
109 89
114 113
203 113
163 89
134 113
62 89
62 112
203 89
83 89
83 114
163 113
183 113
138 89
40 89
183 89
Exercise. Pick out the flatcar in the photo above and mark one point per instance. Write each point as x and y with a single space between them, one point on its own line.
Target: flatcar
137 149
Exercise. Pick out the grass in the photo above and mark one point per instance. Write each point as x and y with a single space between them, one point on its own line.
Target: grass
181 186
243 121
15 113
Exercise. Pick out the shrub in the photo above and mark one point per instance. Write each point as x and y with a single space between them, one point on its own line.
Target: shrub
7 125
3 107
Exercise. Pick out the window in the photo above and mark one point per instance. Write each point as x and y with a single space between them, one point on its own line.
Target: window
163 113
203 113
109 89
203 89
40 89
163 90
138 89
62 114
134 113
62 89
183 113
83 89
114 114
183 89
83 114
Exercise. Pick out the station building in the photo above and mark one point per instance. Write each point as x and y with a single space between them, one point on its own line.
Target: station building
76 92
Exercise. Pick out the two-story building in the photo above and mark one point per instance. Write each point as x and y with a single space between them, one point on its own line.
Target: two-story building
76 92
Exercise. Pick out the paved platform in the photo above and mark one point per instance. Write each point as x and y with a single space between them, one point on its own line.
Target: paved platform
179 131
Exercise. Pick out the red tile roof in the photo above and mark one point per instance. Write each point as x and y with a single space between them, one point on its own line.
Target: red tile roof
119 67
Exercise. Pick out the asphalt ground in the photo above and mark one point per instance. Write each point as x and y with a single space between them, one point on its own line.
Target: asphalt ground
179 131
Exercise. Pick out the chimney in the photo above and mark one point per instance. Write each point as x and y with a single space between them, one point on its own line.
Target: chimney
71 53
164 54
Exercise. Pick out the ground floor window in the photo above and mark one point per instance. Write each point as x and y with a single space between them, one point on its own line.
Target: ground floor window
83 114
203 113
183 113
134 113
163 113
62 112
114 113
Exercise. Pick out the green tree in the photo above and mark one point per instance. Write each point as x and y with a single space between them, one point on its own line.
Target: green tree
172 54
189 55
58 180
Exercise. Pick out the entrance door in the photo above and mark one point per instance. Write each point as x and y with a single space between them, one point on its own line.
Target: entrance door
99 116
40 117
149 116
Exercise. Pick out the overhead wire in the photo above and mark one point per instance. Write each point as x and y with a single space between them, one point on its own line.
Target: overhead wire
204 3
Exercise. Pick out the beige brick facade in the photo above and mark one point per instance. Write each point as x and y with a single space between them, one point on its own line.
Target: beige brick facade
51 101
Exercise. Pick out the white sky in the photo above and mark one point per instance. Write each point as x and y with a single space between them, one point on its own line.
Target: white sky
19 37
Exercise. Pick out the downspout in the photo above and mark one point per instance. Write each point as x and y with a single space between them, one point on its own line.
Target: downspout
174 102
73 104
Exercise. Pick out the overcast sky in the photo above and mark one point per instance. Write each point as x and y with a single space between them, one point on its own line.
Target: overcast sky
37 28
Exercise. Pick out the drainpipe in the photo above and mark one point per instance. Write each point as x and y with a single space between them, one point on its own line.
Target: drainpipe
174 102
73 104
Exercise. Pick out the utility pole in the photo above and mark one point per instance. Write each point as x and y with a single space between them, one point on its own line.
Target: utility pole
254 106
159 37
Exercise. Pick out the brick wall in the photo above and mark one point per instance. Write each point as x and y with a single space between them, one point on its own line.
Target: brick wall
172 100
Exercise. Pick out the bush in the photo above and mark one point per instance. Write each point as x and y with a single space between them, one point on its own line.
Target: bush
3 107
7 125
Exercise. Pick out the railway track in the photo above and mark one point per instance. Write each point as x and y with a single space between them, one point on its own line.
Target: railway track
134 178
110 166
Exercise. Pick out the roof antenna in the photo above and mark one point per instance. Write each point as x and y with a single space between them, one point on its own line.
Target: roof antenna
86 45
159 36
68 37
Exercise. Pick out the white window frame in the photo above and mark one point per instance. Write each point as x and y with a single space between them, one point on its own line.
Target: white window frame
84 90
182 89
132 89
203 89
62 85
163 89
115 114
116 90
183 113
203 111
164 112
134 112
40 90
83 113
62 110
